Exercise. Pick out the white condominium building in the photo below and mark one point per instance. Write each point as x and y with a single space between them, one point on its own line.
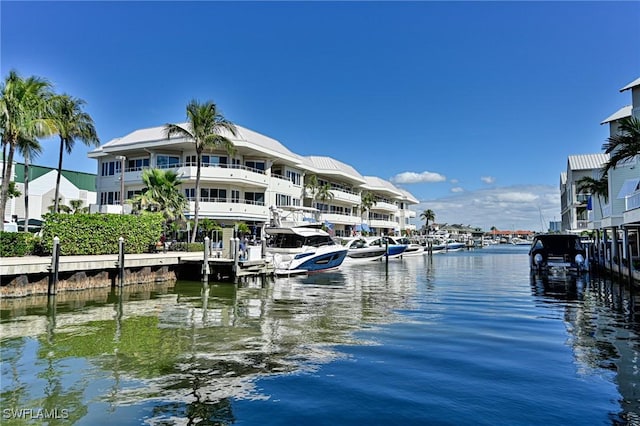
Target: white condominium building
261 176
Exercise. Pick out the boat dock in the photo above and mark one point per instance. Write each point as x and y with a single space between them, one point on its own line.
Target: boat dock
31 275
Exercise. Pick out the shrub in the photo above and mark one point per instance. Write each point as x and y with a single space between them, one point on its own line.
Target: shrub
90 234
187 247
16 243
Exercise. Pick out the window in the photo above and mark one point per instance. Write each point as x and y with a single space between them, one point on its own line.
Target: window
283 200
167 161
254 198
257 165
111 197
213 195
294 177
110 168
137 164
235 196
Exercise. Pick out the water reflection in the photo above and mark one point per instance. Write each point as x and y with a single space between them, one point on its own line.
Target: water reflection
184 351
602 321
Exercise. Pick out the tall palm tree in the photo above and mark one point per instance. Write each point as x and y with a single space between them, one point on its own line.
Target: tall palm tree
597 187
367 201
204 125
427 215
624 145
23 108
28 148
162 194
71 124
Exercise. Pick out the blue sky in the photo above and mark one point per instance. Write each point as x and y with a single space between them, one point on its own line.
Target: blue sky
473 107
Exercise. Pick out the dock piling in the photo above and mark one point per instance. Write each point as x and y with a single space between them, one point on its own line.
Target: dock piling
121 261
55 264
205 262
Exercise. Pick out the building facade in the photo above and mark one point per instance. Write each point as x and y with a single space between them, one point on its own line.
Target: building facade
260 178
42 186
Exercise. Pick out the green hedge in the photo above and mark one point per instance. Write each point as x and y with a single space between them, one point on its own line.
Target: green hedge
187 247
90 234
16 244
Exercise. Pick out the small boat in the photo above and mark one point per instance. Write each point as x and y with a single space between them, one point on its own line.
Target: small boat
558 253
393 250
453 245
360 251
300 248
413 249
520 242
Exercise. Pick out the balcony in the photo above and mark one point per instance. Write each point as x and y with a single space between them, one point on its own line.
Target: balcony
230 208
632 201
345 196
340 219
384 206
230 173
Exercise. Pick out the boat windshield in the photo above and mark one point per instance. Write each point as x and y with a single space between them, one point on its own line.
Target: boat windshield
297 241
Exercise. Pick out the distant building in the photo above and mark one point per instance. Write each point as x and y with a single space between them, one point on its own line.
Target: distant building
42 186
574 204
555 226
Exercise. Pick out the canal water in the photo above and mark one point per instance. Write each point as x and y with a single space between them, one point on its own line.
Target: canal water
459 338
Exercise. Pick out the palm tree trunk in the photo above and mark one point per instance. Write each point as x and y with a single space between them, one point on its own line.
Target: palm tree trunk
57 195
4 191
197 203
26 191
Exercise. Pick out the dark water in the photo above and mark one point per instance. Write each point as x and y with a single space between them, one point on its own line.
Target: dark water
463 338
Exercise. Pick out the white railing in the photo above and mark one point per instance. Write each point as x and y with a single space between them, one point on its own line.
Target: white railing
632 201
606 210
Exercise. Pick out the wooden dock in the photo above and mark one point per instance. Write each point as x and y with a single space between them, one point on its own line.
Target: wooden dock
29 275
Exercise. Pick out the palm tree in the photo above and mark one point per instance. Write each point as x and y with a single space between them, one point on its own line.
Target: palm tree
28 148
203 127
597 187
624 145
162 194
23 104
71 124
427 215
367 201
311 183
76 206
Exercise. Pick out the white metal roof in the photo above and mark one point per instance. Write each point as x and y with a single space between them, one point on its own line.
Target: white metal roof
409 196
623 112
376 184
328 165
563 178
587 161
631 85
152 136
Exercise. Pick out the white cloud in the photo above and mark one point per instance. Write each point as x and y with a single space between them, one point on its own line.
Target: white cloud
488 179
457 189
454 181
413 177
526 207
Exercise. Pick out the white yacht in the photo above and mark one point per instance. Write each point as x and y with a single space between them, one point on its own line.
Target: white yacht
360 251
302 248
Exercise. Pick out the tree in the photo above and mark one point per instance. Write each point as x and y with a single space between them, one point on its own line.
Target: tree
13 191
624 145
28 148
597 187
203 127
367 201
71 124
76 206
23 110
162 194
427 215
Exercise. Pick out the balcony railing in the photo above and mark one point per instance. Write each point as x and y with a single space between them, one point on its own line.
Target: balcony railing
606 210
226 200
632 201
193 164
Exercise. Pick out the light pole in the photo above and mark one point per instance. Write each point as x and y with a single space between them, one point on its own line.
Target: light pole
122 158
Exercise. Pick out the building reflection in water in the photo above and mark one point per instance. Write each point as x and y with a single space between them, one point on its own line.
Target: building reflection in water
603 321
